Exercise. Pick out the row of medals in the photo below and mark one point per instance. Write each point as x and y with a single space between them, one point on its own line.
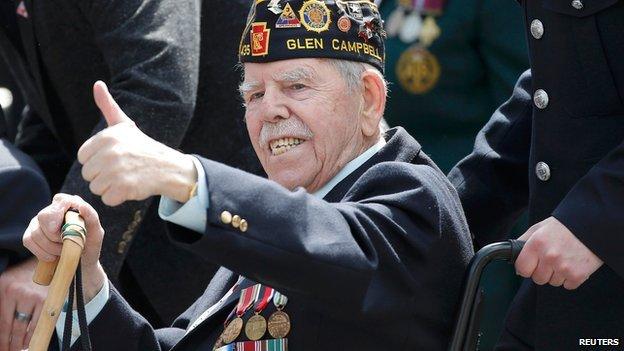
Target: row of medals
278 324
418 70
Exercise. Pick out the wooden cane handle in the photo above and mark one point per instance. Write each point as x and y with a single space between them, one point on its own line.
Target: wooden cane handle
59 286
45 270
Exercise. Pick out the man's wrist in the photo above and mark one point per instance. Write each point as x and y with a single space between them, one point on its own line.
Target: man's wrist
181 180
93 281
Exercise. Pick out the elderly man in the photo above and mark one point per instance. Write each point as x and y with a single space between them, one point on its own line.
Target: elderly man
356 242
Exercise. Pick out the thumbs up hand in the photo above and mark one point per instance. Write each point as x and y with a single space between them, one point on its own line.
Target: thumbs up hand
105 102
121 163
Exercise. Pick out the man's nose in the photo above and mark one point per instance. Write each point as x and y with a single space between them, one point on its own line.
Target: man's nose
274 106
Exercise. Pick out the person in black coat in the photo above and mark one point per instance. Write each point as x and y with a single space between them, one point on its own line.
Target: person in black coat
556 148
152 54
23 192
356 241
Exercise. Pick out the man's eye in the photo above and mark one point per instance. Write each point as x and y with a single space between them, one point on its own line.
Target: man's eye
255 96
297 86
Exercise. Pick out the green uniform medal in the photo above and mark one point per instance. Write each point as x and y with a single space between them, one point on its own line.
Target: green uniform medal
418 70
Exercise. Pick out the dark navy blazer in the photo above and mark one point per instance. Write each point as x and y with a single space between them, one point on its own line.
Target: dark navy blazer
376 265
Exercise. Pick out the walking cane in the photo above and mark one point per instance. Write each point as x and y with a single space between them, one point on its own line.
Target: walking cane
59 275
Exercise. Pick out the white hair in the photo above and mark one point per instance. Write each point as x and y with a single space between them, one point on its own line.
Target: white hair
351 72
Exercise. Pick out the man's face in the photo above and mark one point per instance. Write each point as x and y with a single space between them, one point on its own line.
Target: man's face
303 121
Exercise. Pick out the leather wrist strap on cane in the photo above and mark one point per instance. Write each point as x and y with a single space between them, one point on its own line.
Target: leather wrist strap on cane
85 340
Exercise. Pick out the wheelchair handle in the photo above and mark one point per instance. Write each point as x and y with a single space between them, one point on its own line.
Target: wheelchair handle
507 251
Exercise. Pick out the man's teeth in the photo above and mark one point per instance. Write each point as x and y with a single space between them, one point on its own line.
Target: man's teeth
282 145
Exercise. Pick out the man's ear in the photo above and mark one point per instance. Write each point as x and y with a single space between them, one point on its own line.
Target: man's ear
374 101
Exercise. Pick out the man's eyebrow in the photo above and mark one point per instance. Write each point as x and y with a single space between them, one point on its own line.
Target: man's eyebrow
246 87
295 75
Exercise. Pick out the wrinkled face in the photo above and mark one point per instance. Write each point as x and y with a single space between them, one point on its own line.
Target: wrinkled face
303 121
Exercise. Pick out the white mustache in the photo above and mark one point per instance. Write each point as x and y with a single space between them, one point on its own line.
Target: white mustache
291 126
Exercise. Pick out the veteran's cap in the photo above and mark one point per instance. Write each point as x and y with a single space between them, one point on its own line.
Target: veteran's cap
286 29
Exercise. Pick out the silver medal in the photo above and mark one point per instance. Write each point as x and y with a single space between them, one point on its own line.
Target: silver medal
395 21
410 30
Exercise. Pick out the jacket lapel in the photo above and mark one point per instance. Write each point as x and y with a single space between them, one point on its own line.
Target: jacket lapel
223 280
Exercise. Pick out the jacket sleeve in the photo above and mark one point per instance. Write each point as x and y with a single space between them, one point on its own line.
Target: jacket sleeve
593 209
151 48
492 181
387 239
23 192
131 330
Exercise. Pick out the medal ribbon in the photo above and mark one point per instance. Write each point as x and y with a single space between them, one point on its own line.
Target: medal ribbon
418 5
427 7
229 317
247 299
264 301
260 345
231 291
279 300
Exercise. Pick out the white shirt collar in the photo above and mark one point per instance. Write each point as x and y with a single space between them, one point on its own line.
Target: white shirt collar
349 168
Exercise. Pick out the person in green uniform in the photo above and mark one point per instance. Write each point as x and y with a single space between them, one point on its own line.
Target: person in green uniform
450 64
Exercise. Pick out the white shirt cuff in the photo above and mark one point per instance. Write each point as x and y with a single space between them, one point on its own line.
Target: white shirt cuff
92 309
192 214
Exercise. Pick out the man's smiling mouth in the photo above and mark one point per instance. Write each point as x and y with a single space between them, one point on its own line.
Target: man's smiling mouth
282 145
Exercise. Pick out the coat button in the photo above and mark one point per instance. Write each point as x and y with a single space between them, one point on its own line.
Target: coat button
540 98
121 247
537 29
577 4
542 170
226 217
243 225
236 220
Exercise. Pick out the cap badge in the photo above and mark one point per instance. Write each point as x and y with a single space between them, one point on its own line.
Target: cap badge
356 10
315 16
288 19
344 23
260 39
274 7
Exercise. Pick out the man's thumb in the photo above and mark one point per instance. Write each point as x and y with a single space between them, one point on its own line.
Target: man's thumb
105 102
